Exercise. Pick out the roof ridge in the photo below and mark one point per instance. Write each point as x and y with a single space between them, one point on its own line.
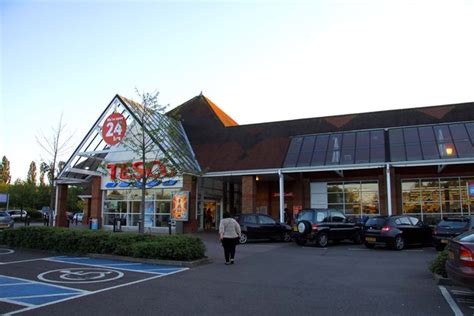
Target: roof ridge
225 119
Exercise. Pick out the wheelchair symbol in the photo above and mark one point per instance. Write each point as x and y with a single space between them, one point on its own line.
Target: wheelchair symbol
80 275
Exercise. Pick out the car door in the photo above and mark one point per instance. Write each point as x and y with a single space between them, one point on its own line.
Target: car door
339 228
251 226
404 224
268 227
423 233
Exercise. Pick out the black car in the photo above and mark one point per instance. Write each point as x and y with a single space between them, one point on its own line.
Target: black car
396 231
323 225
451 227
260 226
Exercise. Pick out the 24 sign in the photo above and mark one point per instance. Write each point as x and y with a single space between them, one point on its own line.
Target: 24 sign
114 128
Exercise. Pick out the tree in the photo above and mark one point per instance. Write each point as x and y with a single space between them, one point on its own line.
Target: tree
55 145
31 177
44 168
5 176
151 163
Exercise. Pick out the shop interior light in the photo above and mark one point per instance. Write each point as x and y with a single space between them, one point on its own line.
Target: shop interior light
257 178
449 151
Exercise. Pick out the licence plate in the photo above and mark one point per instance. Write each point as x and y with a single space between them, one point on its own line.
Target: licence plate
295 229
444 241
370 239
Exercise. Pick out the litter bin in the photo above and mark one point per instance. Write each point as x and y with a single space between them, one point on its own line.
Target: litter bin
117 224
94 224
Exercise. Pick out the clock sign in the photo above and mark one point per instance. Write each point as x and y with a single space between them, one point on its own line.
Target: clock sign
114 128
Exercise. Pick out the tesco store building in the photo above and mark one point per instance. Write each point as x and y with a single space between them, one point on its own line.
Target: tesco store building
417 161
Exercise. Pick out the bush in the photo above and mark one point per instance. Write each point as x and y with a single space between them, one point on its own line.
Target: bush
438 266
64 240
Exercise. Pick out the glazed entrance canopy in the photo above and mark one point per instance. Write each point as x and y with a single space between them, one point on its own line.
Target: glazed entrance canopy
165 132
406 144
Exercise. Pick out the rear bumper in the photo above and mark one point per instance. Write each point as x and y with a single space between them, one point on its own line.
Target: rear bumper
463 276
378 240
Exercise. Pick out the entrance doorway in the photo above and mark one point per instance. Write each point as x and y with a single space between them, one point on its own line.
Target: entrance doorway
212 214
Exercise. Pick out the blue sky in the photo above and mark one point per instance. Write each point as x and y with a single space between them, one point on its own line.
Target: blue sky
258 60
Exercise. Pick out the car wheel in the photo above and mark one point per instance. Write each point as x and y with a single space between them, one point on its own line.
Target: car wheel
440 247
370 246
358 238
286 237
322 239
301 242
399 243
243 238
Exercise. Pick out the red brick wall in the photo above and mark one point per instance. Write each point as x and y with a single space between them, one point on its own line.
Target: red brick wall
189 184
249 194
96 201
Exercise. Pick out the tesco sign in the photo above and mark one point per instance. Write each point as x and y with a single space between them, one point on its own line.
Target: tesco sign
137 170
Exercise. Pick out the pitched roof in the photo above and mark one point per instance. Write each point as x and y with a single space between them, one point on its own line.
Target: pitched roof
221 147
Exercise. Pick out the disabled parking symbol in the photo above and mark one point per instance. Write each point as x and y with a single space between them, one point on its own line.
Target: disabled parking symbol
80 275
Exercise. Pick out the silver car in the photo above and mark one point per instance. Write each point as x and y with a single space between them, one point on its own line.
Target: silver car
6 221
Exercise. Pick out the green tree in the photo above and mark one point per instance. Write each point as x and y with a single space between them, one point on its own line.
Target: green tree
5 176
32 173
141 140
44 168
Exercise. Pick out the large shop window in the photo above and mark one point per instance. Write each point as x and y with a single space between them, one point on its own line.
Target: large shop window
125 204
432 199
354 198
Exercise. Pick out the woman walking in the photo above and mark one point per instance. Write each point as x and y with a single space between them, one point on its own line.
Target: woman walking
229 231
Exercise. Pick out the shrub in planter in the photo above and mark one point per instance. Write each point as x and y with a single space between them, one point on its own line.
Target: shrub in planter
176 247
438 265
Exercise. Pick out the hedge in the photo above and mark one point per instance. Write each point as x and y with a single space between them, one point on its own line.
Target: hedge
438 266
64 240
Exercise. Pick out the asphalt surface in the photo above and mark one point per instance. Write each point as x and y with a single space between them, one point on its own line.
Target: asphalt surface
268 279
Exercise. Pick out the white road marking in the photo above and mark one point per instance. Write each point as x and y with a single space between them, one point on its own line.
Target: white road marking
80 273
54 285
7 251
459 292
27 260
451 302
8 284
98 291
42 295
6 300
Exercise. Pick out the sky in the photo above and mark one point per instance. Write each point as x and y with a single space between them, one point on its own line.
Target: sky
259 61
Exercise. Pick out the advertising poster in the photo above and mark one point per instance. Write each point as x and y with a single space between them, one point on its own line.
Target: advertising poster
148 214
471 189
180 206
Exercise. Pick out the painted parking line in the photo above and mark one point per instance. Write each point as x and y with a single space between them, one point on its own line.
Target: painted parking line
30 293
120 265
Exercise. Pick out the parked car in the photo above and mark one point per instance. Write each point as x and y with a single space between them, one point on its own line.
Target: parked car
6 221
324 225
460 262
449 228
17 214
396 232
77 217
260 226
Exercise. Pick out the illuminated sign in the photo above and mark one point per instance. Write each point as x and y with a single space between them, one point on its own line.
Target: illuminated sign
114 128
471 189
154 169
180 206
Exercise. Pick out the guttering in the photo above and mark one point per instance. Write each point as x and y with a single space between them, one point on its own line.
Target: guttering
422 163
292 170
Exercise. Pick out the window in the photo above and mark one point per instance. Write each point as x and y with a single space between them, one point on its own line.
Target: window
402 221
321 216
432 199
354 198
337 217
265 220
250 219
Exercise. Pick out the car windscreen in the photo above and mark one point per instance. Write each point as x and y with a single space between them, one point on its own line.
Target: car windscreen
453 223
305 216
375 222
